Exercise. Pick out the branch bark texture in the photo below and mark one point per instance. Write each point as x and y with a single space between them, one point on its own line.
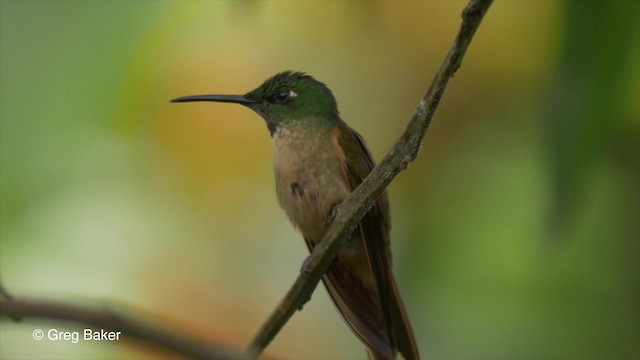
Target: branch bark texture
352 210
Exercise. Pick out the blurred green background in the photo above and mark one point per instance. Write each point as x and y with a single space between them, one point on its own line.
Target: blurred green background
516 232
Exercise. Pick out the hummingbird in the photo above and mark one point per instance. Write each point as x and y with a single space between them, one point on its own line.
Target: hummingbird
318 161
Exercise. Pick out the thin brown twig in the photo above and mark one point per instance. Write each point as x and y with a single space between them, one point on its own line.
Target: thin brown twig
351 211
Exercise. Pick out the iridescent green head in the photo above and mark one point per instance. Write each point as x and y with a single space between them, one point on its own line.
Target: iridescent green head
286 99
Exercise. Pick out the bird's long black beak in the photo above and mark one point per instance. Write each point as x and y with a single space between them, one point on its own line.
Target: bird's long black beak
237 99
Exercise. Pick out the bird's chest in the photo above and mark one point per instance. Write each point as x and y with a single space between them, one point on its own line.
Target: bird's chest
309 182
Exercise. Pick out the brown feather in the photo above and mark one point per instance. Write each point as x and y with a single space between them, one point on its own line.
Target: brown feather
315 171
382 323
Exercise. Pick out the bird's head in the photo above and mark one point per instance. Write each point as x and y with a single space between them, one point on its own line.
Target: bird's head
284 100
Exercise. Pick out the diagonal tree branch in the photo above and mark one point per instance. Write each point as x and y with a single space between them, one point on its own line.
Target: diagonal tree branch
350 212
103 318
347 216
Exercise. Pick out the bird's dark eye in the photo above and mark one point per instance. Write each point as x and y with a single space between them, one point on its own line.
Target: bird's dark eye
283 96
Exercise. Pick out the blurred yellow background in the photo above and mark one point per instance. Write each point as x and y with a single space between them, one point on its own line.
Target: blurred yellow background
515 232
